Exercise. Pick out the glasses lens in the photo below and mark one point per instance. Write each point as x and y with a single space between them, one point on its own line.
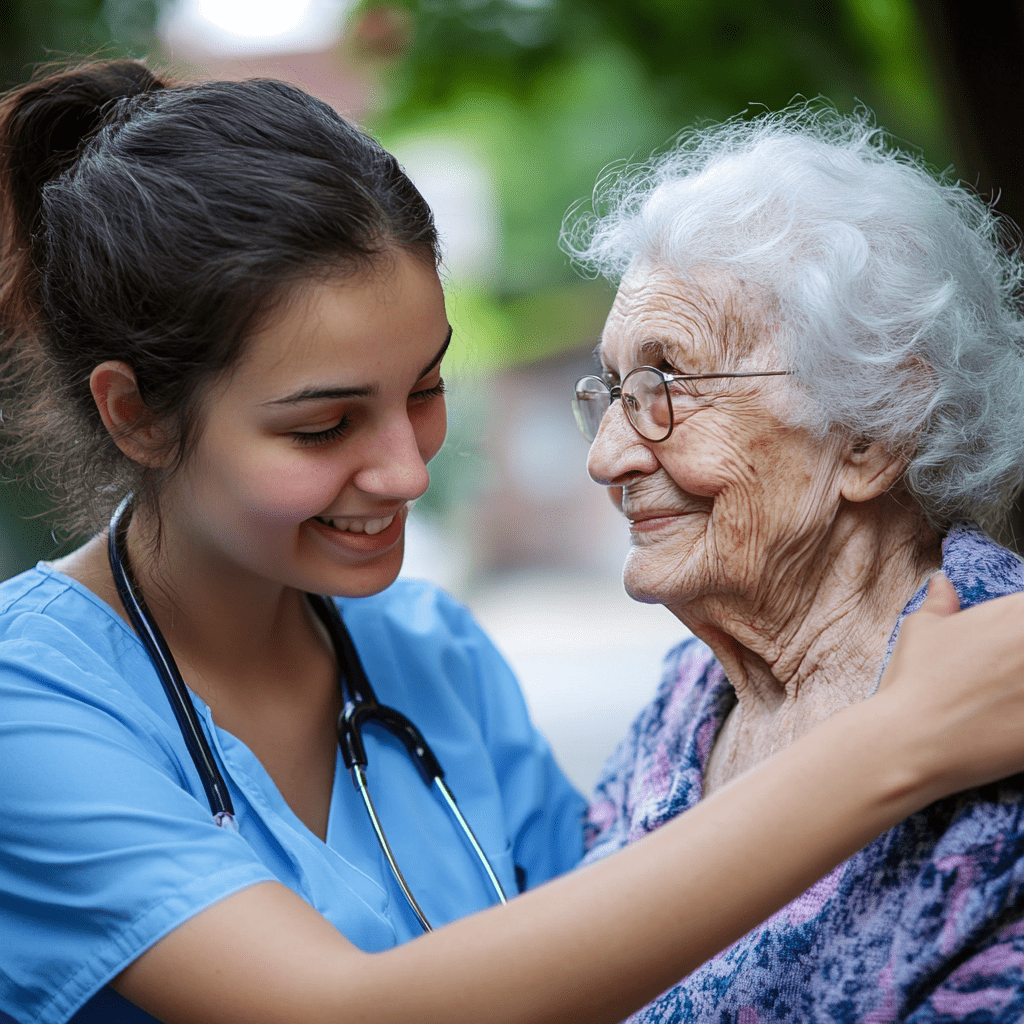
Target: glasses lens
589 404
645 396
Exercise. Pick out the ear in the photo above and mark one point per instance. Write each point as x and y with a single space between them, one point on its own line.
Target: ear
125 415
870 470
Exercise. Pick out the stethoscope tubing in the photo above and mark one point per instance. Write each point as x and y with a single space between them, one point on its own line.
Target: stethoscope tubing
167 669
359 707
362 707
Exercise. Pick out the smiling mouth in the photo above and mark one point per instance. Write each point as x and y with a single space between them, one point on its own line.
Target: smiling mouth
643 517
368 526
638 518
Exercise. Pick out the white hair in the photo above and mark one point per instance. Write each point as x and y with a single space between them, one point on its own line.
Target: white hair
894 296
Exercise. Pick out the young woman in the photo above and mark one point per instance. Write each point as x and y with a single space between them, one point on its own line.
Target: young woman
221 303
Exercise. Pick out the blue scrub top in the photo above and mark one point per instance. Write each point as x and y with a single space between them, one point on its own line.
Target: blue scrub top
106 837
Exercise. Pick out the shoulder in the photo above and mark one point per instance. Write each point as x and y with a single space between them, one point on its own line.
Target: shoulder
690 670
48 620
979 568
67 660
29 593
656 771
690 675
414 623
691 664
41 600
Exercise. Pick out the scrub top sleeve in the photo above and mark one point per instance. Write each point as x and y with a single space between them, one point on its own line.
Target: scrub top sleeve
102 852
543 809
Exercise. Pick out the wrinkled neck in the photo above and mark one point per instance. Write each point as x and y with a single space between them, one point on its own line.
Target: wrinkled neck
813 631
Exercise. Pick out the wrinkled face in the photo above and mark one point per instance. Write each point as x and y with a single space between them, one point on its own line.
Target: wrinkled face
313 445
734 497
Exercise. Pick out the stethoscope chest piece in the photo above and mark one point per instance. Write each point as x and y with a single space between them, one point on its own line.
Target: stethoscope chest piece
361 708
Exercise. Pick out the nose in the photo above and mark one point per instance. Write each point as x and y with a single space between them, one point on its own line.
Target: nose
619 454
396 465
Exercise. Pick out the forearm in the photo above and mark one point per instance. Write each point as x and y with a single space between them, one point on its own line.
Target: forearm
631 926
592 946
597 944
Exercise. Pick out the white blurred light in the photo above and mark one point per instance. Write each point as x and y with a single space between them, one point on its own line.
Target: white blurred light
254 26
460 189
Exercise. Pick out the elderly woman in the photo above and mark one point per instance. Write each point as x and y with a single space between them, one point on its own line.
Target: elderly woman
811 394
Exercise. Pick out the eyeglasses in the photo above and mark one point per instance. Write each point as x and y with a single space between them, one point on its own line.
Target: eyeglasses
650 398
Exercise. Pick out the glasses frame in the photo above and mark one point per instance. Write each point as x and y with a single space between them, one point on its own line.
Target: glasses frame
615 391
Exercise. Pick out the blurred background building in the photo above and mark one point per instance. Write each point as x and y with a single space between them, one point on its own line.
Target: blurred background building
505 112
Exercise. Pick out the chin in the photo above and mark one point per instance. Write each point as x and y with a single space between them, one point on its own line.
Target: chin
656 579
363 580
640 583
642 595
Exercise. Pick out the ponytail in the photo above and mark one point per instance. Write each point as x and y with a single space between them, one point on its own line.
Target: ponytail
42 127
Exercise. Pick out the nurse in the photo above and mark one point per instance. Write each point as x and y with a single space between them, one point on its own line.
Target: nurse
223 301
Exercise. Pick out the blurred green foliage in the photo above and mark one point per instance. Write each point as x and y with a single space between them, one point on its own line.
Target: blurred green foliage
548 93
35 32
551 91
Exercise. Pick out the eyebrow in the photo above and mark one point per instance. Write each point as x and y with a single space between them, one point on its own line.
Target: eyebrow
652 351
361 391
440 355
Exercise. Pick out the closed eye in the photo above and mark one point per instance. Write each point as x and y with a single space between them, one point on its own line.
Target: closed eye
323 436
428 393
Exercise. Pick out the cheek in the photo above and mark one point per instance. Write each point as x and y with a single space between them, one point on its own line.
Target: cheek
287 486
431 426
703 477
708 462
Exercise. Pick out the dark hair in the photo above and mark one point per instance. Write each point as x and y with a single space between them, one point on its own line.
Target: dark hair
159 225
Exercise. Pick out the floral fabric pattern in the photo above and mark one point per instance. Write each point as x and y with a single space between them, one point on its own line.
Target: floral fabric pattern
926 924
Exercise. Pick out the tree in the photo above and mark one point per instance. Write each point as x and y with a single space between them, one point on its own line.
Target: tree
554 90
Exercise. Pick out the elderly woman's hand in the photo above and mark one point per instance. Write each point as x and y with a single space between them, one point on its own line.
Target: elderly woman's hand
959 677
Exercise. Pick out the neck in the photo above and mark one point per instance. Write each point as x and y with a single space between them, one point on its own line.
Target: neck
252 650
236 636
810 634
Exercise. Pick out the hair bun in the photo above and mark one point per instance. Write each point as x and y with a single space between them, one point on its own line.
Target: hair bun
43 124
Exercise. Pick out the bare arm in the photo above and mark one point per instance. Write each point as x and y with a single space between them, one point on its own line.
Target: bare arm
597 944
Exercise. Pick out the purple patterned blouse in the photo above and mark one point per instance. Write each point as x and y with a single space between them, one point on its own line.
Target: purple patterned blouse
924 924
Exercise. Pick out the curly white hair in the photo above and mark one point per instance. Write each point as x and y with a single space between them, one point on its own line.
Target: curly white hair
895 295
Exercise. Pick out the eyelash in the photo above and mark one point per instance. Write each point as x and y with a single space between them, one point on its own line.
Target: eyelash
324 436
428 393
341 427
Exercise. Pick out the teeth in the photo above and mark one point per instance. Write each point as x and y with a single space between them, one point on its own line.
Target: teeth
370 526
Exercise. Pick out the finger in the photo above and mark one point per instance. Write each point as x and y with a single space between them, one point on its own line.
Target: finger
941 598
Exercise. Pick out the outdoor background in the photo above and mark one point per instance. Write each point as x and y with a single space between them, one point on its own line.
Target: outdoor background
505 112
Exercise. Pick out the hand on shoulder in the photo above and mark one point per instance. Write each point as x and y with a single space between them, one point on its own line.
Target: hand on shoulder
955 681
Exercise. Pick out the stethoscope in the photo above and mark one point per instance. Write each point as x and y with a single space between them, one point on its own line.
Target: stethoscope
359 707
